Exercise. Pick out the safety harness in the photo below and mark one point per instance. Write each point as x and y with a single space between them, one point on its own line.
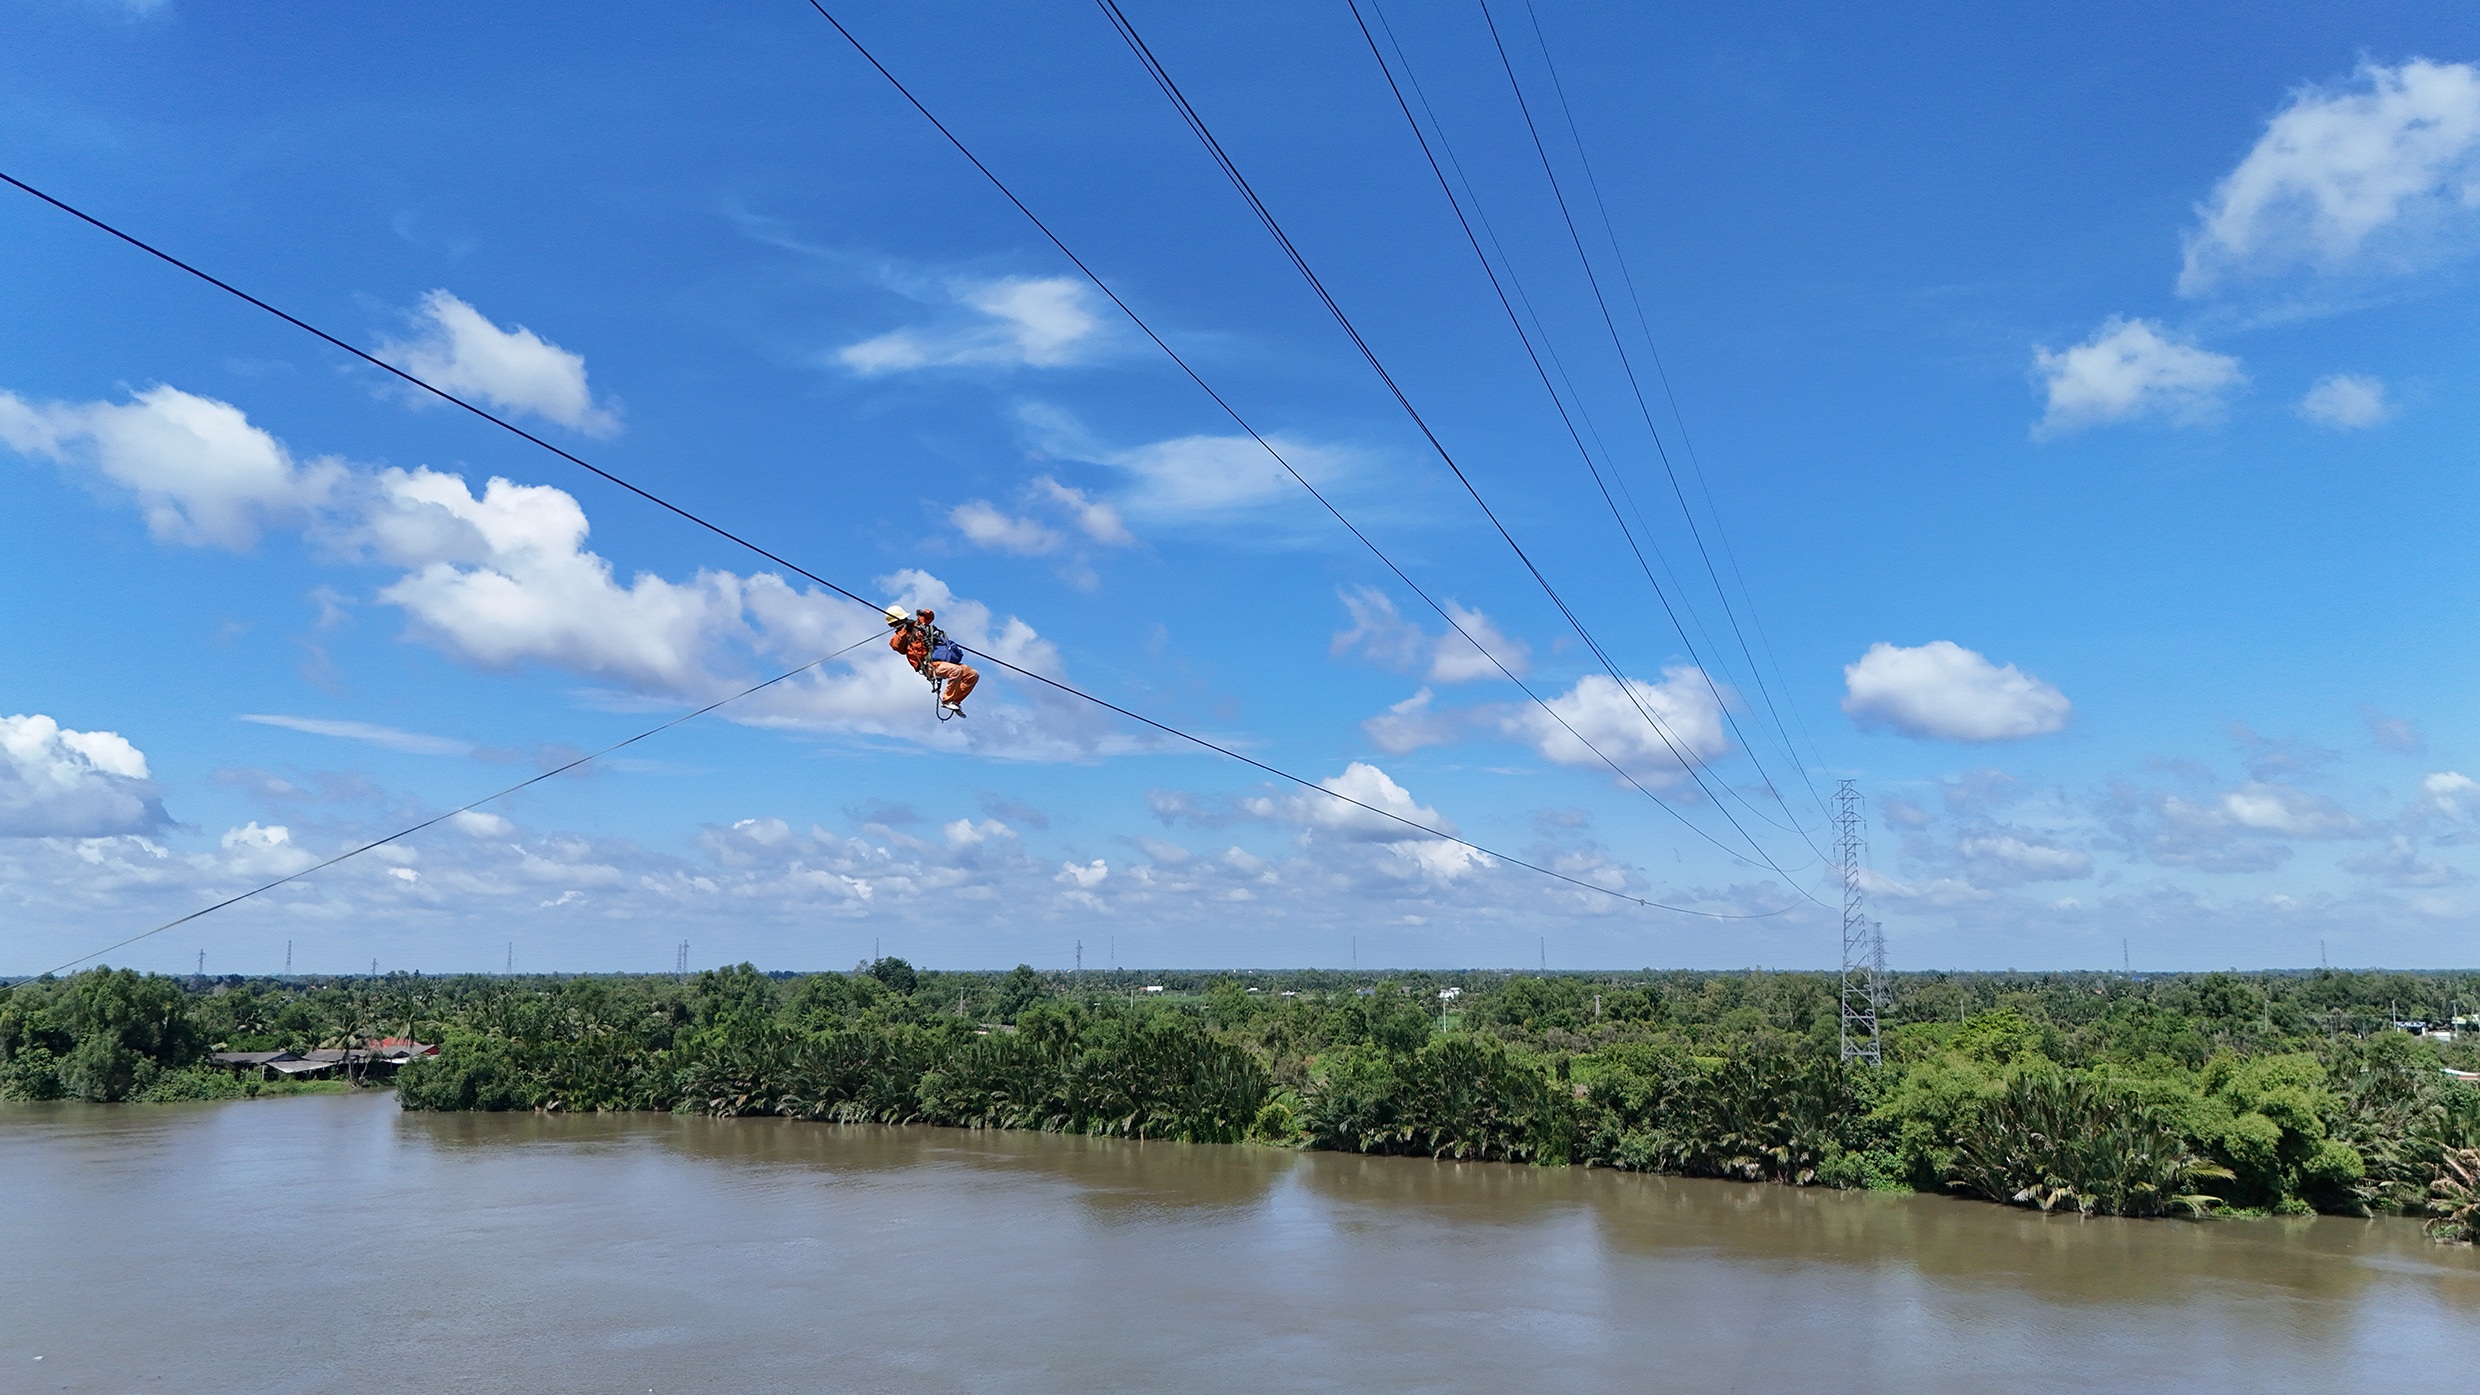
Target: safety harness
942 650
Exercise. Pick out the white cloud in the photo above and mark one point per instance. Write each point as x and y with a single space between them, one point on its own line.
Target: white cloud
201 472
1079 516
1947 692
1186 481
458 350
1084 877
2023 860
1600 712
1017 322
58 783
1373 787
2130 369
1098 521
2400 864
985 526
388 738
2381 172
1432 860
1465 651
1381 635
1942 893
2347 401
505 580
1410 725
1200 477
965 833
481 824
2451 792
252 851
2273 808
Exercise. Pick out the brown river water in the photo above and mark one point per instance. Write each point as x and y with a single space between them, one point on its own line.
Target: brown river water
335 1244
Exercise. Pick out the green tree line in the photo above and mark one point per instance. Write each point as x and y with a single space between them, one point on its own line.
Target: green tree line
2202 1094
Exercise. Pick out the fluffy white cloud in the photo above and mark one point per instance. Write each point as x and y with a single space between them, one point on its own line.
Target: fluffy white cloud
58 783
505 579
1380 634
201 472
2380 171
1614 720
2346 402
1373 787
2130 369
456 348
1084 876
1433 860
1945 691
412 743
1016 322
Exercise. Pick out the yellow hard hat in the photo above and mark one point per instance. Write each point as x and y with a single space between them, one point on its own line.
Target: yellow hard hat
896 615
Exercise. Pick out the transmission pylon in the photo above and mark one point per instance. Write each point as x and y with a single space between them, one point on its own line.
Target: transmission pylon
1864 941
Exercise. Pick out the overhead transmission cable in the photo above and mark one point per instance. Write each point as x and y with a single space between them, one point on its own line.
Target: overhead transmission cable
409 831
1761 860
424 385
1689 761
1626 361
1661 370
1535 355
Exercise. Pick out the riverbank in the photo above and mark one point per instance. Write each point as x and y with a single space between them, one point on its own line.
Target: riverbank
765 1256
2098 1094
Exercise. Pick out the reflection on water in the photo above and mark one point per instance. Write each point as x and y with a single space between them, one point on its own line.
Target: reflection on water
325 1243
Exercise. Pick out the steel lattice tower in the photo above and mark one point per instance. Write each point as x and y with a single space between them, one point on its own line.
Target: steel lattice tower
1864 941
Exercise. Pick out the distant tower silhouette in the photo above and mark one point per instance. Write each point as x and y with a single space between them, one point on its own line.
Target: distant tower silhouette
1864 940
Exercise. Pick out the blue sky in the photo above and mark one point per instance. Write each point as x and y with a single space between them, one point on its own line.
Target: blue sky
2078 415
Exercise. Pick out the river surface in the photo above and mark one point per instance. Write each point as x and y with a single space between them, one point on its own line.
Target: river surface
334 1244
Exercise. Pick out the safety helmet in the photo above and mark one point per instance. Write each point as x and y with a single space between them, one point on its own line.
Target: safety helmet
896 615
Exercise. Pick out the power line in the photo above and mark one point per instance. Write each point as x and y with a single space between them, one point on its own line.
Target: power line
1696 465
1560 406
1626 362
1277 456
452 813
1205 135
722 532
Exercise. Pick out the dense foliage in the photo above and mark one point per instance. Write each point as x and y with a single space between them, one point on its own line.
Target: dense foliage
2097 1093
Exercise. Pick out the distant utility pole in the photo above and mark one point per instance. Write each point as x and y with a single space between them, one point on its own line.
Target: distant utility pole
1356 954
1080 959
680 960
1864 941
202 963
1543 967
374 966
512 956
288 958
